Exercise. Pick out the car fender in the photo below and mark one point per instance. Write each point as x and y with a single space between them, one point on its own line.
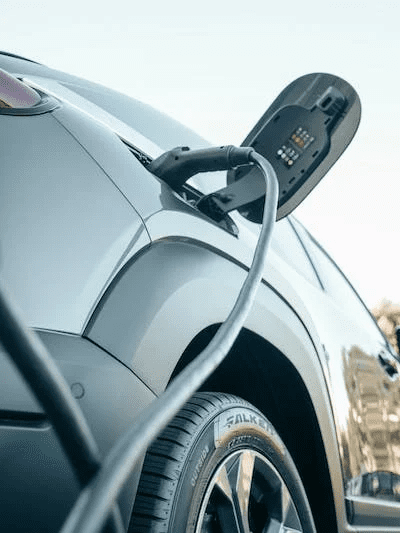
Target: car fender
177 287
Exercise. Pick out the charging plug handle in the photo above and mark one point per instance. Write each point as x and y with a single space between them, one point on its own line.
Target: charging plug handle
176 166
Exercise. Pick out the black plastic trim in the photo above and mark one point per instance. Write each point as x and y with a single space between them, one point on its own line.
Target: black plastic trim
23 419
53 393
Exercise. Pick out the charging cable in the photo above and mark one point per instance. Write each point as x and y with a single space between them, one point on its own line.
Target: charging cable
53 393
95 501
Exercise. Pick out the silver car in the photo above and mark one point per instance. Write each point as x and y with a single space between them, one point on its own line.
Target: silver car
126 275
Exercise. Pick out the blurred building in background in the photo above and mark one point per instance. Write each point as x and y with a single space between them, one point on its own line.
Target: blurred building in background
387 315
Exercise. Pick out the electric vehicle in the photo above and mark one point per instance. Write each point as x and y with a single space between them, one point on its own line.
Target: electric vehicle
125 264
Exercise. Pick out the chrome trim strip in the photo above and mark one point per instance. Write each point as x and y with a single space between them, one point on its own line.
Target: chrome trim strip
364 511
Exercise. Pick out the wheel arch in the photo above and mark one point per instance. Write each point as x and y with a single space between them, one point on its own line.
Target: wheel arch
174 294
279 392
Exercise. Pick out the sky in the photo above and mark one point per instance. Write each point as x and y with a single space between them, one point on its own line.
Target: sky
217 65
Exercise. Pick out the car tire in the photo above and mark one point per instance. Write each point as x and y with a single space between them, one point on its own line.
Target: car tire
220 467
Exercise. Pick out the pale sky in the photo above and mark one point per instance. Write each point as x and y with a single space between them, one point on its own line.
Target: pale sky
216 67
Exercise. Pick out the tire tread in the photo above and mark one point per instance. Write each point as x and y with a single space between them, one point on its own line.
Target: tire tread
167 457
161 460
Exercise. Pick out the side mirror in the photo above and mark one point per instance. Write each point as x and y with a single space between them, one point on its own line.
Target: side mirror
302 134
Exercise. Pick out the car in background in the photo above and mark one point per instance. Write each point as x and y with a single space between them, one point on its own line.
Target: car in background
125 280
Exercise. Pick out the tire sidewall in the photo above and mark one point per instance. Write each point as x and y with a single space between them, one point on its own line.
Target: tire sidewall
233 428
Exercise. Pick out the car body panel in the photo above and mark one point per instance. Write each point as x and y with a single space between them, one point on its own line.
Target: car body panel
32 462
155 130
365 395
135 273
61 292
62 92
361 393
192 272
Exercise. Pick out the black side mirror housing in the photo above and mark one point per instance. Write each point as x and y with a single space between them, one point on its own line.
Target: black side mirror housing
302 134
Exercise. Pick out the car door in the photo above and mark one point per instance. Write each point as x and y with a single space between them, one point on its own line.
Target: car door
364 385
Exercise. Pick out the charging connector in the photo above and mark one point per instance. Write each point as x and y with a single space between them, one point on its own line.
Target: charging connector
176 166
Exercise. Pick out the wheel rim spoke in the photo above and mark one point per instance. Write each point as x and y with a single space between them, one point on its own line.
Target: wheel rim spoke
222 482
290 518
247 495
234 482
226 509
241 477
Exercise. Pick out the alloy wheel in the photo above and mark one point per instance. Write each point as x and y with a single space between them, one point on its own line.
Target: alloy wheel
247 495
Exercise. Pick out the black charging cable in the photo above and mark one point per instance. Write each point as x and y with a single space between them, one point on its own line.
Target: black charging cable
95 501
53 393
